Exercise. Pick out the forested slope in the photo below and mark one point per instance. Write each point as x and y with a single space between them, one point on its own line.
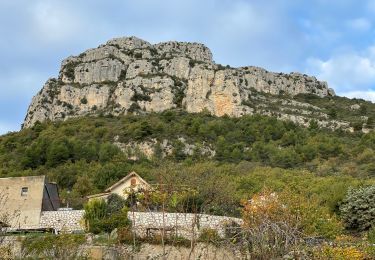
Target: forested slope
83 155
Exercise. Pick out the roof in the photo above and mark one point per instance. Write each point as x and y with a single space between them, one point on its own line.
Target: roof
130 175
25 178
98 195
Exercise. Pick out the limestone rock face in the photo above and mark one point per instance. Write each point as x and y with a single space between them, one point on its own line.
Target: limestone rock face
130 75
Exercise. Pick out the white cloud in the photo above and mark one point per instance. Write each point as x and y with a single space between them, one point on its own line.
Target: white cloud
346 71
52 21
367 95
359 24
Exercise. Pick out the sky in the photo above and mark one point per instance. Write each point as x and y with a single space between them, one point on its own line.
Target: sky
333 40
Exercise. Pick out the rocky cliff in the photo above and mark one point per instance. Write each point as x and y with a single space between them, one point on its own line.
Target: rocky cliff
131 75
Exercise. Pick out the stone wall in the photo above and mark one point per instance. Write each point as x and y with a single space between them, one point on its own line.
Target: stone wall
184 224
144 224
69 220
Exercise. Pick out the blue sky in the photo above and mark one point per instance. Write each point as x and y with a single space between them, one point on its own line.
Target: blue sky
333 40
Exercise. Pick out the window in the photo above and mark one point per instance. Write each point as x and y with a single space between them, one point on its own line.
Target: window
24 191
133 182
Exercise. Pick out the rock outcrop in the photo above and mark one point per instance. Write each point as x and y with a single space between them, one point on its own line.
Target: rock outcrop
130 75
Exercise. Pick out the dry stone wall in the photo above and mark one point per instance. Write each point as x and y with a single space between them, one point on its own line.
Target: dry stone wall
65 220
186 225
183 224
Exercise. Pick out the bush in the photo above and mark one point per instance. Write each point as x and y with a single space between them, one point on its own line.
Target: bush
104 217
358 208
270 228
371 235
84 100
63 246
209 235
344 253
140 97
125 235
109 223
115 203
275 223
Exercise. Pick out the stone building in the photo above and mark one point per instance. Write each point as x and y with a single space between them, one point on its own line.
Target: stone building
23 199
132 181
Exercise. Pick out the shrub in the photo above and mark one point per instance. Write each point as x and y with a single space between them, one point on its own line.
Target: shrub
69 69
209 235
140 97
371 235
95 211
104 217
125 235
134 107
109 223
275 223
358 208
115 203
84 100
270 228
138 55
232 231
344 253
63 246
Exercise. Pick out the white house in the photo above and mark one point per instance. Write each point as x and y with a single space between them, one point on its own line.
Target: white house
132 181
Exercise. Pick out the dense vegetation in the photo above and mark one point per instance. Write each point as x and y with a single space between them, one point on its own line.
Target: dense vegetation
321 173
357 112
80 156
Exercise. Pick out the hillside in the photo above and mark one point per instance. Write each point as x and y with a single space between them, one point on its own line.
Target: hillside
87 154
130 75
280 151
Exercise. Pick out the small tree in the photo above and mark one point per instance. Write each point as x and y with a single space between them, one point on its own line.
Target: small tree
101 216
275 223
115 203
6 217
270 228
358 208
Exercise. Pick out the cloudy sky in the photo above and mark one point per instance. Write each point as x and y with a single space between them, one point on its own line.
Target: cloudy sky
333 40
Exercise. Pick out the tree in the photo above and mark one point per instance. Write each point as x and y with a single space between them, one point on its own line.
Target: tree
115 203
100 216
107 152
332 113
370 121
363 109
58 152
358 208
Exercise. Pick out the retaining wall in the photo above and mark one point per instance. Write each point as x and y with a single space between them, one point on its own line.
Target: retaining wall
183 224
69 220
146 223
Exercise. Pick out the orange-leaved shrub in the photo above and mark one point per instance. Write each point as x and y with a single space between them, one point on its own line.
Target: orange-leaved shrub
276 224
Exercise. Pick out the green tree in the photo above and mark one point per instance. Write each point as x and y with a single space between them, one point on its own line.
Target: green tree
358 208
107 152
58 152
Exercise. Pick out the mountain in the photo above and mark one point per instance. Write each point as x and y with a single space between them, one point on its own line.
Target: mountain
130 75
210 136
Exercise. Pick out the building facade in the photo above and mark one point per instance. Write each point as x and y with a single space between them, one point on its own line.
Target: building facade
132 181
22 200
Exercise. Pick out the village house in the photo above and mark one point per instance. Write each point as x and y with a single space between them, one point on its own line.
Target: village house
132 181
23 199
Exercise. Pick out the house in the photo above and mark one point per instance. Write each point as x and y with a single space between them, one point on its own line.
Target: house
132 181
23 199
